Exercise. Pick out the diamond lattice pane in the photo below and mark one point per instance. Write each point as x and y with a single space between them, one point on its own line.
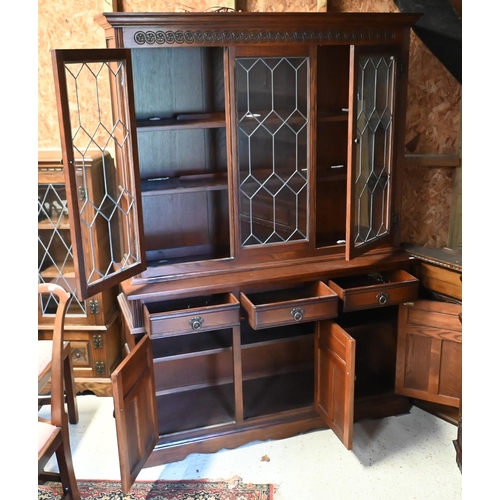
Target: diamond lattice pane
272 104
373 151
100 127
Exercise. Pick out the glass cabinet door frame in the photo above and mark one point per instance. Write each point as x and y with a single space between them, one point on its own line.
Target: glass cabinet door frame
390 212
259 52
126 197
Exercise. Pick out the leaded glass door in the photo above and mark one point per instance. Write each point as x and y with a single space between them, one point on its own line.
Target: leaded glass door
371 155
96 109
272 127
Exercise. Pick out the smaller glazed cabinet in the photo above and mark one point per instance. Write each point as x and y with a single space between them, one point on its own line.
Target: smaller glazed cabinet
92 326
250 218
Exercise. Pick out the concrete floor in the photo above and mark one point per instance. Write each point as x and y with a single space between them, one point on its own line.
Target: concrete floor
409 457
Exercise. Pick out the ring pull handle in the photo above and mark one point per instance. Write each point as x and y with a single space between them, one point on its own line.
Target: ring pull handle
383 298
297 313
196 322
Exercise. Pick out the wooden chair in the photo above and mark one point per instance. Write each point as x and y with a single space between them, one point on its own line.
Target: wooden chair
53 434
44 368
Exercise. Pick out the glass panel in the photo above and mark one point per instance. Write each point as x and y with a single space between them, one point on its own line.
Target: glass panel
375 107
106 203
273 117
55 252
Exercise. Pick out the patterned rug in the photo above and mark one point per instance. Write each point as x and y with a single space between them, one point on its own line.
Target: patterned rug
163 490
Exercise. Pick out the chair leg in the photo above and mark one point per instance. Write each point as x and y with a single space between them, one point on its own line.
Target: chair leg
69 385
66 470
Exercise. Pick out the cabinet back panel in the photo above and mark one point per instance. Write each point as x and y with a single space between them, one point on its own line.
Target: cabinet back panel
333 78
278 393
279 357
187 224
201 370
181 152
170 81
331 144
186 344
195 409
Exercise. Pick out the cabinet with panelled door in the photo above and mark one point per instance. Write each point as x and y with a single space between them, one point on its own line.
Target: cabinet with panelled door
253 228
92 325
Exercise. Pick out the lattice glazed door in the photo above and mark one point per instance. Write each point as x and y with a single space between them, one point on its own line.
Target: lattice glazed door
96 109
272 102
372 125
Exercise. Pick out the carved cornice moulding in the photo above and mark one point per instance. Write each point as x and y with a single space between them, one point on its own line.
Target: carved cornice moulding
189 37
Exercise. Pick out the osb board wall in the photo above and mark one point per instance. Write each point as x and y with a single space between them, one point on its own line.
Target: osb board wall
243 5
432 127
434 97
68 25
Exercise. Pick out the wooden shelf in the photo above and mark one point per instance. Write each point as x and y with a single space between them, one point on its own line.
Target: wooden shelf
182 122
332 117
54 272
185 183
48 224
432 160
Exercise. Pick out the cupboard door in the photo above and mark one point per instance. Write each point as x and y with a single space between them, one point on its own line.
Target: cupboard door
96 113
429 357
334 379
371 149
135 410
271 113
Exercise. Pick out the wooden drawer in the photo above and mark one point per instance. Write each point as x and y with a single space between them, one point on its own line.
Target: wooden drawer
309 302
441 280
196 314
375 289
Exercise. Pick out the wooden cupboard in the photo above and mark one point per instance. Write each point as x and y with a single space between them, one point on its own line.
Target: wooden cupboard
92 325
250 217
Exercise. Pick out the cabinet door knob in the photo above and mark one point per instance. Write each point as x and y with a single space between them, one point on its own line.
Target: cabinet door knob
382 298
297 313
196 322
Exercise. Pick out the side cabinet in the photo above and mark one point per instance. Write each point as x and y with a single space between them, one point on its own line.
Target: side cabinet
429 363
93 325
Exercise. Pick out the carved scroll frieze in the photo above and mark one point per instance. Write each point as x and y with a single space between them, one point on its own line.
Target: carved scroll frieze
189 37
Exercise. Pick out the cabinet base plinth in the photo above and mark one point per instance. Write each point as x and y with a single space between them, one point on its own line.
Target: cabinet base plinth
168 451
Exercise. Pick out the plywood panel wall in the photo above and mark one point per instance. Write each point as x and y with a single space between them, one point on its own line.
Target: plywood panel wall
434 97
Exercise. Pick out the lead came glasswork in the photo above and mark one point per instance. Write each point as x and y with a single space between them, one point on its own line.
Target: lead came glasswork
91 87
273 119
54 240
375 109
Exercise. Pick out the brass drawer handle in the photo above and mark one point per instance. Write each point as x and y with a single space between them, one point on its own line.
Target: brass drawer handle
383 298
196 322
297 313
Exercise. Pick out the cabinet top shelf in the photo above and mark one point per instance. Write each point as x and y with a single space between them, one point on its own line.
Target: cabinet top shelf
229 18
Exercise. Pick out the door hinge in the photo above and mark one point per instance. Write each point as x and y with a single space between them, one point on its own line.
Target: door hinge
100 368
94 306
97 341
395 220
82 193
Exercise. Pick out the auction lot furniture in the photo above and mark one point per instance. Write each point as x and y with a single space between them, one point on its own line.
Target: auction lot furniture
250 216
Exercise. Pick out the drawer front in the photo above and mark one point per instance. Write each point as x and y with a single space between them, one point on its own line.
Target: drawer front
192 320
391 288
283 307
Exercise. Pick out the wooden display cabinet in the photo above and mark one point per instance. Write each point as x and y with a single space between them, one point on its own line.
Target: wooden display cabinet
91 325
257 164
